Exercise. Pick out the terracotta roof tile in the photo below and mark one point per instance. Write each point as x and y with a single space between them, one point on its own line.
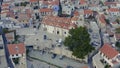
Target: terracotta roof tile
85 67
46 10
82 2
88 11
55 21
5 5
102 19
52 2
76 13
113 10
109 51
16 48
33 0
110 3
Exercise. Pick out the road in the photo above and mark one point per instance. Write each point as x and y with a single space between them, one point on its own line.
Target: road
95 52
9 62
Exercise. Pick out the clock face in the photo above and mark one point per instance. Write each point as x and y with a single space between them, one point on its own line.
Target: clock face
56 8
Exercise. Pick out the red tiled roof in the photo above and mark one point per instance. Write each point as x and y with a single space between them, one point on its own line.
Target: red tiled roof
114 62
76 13
88 11
51 2
110 3
74 18
5 5
46 10
16 48
109 51
102 19
55 21
4 12
11 14
113 10
114 23
85 67
10 36
23 17
34 0
82 2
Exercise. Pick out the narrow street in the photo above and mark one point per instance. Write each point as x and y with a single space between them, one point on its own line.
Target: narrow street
9 62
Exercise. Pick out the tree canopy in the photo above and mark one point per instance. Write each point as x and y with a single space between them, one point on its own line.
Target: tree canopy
79 42
118 30
118 45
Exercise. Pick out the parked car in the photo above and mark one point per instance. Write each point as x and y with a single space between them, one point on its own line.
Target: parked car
53 56
61 57
69 67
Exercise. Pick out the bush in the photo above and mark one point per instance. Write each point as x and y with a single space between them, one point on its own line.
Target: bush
16 60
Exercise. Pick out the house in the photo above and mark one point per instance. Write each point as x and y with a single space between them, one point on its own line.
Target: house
109 55
10 36
67 7
110 4
24 18
4 9
9 23
113 11
46 11
81 4
87 13
117 36
101 22
48 3
118 5
18 54
34 4
58 25
115 24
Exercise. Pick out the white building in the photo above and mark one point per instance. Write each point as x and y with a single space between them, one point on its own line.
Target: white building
58 25
113 11
109 56
18 51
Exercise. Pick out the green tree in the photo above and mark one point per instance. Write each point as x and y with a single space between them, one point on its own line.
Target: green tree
23 3
117 20
79 42
118 45
107 21
6 30
107 66
117 30
100 2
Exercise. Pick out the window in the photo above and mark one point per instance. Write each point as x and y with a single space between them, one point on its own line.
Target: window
16 54
57 32
64 32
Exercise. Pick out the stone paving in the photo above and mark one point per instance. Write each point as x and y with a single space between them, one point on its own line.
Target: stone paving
56 61
38 64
